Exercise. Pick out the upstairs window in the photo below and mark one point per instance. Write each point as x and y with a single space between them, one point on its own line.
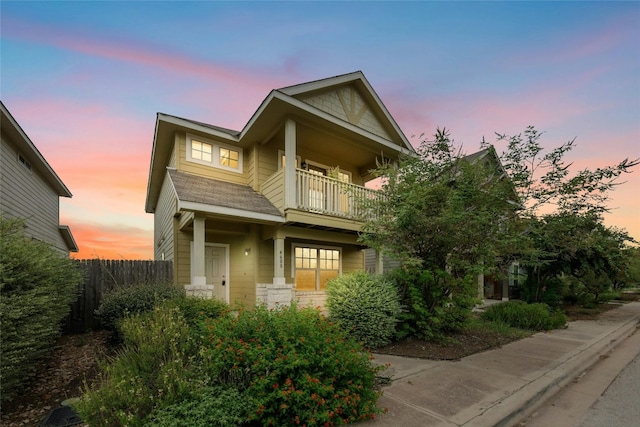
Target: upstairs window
229 158
24 162
201 151
214 154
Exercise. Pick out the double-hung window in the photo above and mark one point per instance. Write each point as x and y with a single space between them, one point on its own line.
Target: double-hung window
213 153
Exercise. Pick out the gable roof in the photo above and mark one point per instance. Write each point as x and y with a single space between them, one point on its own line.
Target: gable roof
220 197
272 112
489 154
360 82
27 148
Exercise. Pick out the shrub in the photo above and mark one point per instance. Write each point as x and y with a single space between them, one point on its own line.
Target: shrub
37 286
213 407
196 311
430 308
293 365
366 306
519 314
133 299
155 368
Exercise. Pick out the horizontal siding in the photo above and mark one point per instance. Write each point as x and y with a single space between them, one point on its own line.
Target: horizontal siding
273 190
208 171
25 194
265 271
164 221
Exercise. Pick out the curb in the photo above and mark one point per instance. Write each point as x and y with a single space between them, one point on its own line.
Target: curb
533 395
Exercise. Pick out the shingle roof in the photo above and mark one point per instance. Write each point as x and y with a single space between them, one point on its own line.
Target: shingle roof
209 191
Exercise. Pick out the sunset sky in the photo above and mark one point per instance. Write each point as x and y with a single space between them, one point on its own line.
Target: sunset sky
86 79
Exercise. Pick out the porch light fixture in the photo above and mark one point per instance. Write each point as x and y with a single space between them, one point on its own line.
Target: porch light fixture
246 251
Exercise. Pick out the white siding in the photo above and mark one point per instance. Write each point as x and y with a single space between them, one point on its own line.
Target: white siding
25 194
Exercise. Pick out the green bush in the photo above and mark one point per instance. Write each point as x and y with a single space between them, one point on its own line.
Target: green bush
197 311
294 366
519 314
366 306
255 368
431 310
133 299
155 368
37 285
213 407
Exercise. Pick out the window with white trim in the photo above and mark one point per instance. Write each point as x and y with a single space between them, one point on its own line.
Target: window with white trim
213 153
314 266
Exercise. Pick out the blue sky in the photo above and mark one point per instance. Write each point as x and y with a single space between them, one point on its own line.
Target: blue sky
85 80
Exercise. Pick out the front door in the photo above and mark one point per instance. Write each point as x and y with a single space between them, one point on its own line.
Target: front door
216 270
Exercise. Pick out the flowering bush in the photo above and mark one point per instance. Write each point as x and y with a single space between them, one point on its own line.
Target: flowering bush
194 359
295 366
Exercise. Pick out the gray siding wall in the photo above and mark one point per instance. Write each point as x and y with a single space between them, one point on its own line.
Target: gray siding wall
163 222
25 194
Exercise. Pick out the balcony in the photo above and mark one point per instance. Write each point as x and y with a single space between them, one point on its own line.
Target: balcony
319 194
329 196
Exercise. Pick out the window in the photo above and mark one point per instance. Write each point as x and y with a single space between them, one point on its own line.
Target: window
215 154
201 151
229 158
313 267
24 162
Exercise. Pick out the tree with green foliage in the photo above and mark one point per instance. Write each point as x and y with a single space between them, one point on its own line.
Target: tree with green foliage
457 216
37 285
444 213
566 249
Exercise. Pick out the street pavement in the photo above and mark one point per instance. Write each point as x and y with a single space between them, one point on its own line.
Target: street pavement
619 406
499 387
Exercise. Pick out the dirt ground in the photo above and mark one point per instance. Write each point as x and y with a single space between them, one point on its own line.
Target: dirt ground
74 360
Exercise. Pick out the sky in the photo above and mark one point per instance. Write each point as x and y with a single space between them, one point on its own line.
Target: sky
85 80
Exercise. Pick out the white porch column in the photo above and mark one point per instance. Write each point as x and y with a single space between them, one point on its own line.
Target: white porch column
198 276
290 167
278 261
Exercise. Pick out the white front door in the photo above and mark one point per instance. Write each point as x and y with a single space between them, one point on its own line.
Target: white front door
216 270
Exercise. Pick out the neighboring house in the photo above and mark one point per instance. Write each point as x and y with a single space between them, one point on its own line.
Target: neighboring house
29 187
506 286
270 213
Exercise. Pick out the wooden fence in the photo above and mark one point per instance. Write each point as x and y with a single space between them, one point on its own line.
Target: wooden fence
103 275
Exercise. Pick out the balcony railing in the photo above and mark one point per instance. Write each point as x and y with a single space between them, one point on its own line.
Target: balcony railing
329 196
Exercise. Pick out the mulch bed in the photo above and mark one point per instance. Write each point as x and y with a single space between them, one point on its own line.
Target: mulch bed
61 376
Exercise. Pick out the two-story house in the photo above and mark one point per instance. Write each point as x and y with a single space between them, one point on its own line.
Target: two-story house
29 187
271 212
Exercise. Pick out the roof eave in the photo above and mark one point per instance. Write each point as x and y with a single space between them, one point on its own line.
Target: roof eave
41 164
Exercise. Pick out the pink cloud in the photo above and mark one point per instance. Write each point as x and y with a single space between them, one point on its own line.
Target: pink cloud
136 52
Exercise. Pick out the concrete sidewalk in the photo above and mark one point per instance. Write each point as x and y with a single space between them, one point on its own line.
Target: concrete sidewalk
498 387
